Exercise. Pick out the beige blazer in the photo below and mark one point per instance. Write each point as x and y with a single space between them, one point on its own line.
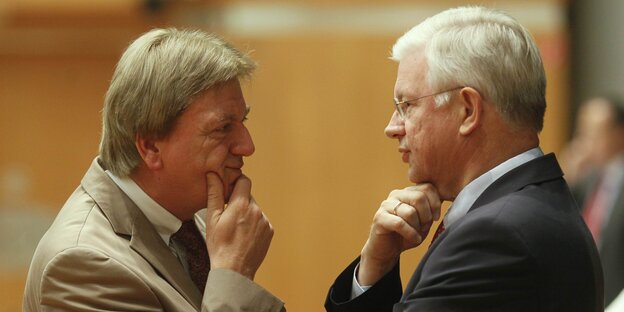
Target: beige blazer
102 254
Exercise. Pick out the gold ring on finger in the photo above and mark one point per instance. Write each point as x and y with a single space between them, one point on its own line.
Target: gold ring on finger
395 208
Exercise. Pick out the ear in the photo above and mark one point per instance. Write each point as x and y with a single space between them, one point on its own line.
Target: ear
472 108
149 151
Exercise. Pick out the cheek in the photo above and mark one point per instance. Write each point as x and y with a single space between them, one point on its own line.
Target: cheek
213 156
416 136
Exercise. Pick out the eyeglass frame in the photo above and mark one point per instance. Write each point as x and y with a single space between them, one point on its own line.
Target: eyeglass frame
403 111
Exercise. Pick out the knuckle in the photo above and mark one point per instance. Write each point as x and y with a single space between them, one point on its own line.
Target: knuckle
256 213
425 218
420 199
395 223
385 202
427 187
416 201
212 195
376 219
241 201
426 222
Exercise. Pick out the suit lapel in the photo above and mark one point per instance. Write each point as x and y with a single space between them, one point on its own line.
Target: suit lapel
128 220
146 241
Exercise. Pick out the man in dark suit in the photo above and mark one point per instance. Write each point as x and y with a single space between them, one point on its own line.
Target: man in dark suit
470 101
596 158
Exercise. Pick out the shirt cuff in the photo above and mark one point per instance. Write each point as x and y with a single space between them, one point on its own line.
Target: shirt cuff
356 288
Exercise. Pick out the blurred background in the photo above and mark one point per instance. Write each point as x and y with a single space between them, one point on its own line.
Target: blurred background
321 98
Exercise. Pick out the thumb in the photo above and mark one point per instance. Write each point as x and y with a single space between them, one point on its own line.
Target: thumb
215 200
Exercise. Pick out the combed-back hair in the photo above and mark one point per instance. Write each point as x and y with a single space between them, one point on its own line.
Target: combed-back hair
485 49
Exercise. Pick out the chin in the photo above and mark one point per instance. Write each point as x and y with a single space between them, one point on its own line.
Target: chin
412 176
417 179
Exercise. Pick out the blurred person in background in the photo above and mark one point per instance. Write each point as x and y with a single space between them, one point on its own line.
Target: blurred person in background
470 102
130 237
594 169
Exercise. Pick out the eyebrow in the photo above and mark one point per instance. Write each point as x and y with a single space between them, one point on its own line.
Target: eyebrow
231 116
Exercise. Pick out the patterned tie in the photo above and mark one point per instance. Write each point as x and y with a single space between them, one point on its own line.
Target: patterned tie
438 231
189 237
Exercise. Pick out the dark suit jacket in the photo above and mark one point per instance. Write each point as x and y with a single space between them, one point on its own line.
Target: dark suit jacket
611 249
522 246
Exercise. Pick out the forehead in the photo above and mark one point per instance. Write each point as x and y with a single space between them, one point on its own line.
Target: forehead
411 76
226 97
216 104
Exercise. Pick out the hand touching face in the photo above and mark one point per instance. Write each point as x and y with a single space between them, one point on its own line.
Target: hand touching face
402 222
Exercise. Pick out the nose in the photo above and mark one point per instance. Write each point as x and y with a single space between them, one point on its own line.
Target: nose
396 127
243 144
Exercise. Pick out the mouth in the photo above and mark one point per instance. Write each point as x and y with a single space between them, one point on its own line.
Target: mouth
405 158
231 173
405 153
234 172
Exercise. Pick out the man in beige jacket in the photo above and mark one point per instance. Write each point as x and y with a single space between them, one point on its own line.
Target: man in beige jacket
130 237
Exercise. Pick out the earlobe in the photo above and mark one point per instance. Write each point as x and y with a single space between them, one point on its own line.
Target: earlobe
472 108
149 151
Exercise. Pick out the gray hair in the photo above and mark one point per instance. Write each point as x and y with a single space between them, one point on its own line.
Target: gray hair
157 77
487 50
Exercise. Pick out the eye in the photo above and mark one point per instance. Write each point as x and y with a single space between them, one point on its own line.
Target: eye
223 129
405 106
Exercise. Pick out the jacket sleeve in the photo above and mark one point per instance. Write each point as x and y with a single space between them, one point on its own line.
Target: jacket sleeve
228 291
84 279
379 298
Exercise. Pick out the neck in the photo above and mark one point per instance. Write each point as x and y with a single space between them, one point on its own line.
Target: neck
146 180
488 151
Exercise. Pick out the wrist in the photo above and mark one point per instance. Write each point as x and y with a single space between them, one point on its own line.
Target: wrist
234 266
370 270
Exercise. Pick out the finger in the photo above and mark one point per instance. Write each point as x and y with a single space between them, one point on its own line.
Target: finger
411 215
241 191
253 205
391 223
432 197
415 208
390 205
434 200
215 201
267 227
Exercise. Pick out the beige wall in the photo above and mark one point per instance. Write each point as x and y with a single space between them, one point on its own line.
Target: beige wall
320 102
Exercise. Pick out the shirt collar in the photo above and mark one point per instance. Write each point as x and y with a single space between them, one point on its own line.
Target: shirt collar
469 194
165 223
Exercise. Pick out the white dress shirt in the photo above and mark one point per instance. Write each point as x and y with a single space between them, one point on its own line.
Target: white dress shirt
467 197
165 223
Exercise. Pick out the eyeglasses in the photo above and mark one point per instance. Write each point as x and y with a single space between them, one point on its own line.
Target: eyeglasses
402 106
